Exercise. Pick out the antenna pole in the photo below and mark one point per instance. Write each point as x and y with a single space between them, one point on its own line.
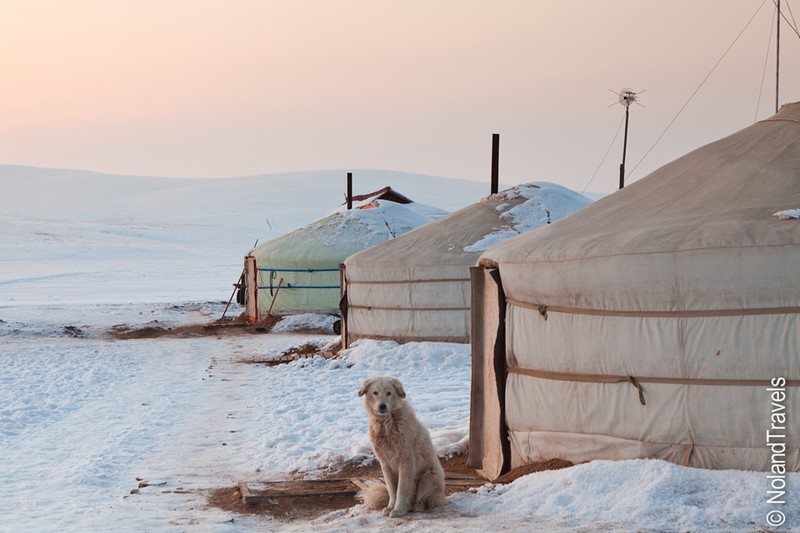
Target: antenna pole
495 163
778 58
624 151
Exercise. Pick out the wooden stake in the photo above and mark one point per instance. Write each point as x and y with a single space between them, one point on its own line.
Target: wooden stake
236 286
263 325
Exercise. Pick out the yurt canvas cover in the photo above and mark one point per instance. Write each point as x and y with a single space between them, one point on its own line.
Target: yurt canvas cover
305 262
660 322
416 287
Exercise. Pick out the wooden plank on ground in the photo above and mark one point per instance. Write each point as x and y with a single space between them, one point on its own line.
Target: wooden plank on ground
257 491
463 484
260 491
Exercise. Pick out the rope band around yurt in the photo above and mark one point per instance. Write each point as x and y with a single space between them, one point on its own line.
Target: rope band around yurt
408 281
637 381
415 309
544 310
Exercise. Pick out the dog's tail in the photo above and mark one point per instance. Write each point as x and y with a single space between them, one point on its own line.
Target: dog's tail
374 495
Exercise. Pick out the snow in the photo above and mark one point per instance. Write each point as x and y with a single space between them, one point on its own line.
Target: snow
630 496
382 219
412 209
103 434
142 239
304 321
787 214
544 203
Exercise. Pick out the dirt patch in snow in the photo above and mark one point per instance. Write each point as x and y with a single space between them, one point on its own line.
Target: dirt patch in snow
303 351
311 506
155 329
552 464
301 507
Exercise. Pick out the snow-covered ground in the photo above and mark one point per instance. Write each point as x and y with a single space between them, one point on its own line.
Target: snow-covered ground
103 434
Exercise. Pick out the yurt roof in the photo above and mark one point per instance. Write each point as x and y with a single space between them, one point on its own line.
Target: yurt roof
373 220
698 233
459 238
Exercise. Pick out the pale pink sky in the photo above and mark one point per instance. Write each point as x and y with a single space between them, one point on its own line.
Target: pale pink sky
201 88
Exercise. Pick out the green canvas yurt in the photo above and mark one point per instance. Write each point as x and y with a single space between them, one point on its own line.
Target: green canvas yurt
300 270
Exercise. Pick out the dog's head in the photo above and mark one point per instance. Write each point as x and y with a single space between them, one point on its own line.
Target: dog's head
381 394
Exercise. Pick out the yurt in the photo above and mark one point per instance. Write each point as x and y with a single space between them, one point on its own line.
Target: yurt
417 288
300 270
662 321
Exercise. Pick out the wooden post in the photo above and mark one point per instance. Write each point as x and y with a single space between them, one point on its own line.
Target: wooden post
343 305
495 162
489 446
349 191
236 286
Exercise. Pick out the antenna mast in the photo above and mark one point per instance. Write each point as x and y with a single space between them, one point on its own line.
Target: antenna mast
778 57
626 98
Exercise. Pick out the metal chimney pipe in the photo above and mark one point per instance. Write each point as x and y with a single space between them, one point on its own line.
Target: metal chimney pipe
495 162
349 191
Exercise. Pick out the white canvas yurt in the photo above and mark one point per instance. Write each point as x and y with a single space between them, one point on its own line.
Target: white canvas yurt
300 270
663 321
416 287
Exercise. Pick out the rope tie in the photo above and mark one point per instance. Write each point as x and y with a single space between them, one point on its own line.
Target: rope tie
635 382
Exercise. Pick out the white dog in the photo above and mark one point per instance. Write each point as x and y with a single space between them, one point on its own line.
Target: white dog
414 477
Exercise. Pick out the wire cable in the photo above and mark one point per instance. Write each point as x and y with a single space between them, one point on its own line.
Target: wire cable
791 23
766 60
604 157
697 90
791 14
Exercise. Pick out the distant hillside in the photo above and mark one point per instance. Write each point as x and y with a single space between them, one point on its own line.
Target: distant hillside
269 204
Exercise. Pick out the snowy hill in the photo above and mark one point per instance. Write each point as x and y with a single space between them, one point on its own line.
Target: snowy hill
286 200
116 229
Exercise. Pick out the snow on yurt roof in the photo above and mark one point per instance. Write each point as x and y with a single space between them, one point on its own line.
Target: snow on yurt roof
458 238
372 220
527 207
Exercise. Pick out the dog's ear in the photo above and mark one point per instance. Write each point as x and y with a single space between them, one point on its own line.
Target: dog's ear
364 387
398 387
